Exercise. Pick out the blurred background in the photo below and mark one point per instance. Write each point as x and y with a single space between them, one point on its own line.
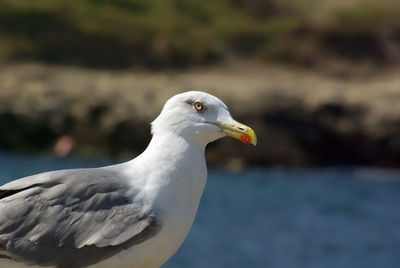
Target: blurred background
319 81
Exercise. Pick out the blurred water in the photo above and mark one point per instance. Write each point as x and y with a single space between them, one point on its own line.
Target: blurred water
279 218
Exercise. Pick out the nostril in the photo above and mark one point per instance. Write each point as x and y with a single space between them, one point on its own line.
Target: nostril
241 128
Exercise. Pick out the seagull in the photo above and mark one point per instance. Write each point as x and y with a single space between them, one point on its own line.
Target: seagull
133 214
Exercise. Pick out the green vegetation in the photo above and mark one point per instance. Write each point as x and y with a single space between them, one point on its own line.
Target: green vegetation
177 33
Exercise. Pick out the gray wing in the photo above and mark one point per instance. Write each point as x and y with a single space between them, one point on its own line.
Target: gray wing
71 218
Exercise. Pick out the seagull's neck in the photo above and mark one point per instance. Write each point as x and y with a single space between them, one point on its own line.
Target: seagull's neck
170 174
172 147
169 156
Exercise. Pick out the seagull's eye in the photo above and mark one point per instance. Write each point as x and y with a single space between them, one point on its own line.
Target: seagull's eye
198 106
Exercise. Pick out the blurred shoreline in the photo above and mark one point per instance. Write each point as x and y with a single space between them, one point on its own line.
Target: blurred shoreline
301 118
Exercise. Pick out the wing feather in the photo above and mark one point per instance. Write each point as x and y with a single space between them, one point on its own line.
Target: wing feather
51 220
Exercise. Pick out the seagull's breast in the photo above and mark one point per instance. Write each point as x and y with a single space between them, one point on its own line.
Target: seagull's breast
179 200
177 203
174 188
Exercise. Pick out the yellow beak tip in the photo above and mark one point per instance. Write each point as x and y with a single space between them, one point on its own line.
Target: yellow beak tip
253 137
254 143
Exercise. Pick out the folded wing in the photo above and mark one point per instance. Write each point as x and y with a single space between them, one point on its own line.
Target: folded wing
71 218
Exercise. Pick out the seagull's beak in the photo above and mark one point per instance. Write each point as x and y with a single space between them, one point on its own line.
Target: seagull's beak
239 131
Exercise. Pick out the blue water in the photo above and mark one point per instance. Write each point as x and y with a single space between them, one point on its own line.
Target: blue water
279 218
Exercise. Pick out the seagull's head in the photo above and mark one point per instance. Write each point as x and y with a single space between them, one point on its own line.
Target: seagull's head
200 117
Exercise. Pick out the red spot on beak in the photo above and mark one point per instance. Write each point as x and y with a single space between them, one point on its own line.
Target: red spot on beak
245 138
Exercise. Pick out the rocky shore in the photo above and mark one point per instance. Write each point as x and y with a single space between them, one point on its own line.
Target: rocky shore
301 119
